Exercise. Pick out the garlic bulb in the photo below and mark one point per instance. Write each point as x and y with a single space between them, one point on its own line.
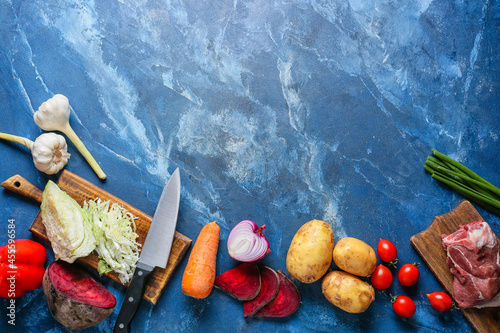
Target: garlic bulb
50 153
53 115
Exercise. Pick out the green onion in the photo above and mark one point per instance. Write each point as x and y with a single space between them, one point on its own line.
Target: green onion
477 185
463 180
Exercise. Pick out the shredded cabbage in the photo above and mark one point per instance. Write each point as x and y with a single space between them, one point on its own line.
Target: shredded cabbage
116 240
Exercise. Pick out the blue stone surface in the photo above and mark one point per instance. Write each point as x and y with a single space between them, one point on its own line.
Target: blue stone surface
275 111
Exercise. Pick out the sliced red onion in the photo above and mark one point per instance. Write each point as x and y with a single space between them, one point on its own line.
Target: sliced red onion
247 243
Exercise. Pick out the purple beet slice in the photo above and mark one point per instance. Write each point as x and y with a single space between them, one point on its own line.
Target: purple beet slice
241 282
75 298
270 284
285 303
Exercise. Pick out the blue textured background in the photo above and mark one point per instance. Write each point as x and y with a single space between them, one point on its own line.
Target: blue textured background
275 111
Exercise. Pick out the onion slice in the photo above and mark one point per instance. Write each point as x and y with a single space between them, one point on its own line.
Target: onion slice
247 243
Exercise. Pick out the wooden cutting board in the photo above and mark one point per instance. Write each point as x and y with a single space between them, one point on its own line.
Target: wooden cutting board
82 190
428 244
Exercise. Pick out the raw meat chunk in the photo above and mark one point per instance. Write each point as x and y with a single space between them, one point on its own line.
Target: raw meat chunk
473 255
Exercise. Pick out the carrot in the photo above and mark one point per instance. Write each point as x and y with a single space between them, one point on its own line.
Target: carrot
199 276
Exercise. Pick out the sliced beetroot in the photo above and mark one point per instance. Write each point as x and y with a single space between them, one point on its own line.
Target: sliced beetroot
270 284
285 303
75 298
241 282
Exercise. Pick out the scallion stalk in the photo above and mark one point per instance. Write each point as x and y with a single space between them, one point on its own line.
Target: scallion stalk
463 180
482 187
459 166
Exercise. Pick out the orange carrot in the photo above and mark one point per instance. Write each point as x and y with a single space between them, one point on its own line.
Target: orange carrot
199 275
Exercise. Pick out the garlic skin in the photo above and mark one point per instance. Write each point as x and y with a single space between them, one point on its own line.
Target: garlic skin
53 114
50 153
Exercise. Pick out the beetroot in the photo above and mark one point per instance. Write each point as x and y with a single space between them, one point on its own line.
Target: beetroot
285 303
241 282
75 298
270 284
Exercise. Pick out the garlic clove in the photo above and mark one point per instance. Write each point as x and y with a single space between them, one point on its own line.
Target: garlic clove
50 153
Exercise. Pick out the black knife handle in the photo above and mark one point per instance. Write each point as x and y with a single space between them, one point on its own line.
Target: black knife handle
132 299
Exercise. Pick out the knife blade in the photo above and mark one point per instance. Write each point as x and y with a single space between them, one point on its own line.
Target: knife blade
155 250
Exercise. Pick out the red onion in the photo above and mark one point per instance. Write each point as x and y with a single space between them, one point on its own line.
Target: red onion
247 243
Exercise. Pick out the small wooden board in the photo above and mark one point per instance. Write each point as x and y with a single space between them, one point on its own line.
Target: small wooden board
429 245
82 190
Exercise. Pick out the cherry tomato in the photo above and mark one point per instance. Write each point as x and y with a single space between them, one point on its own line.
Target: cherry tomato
404 307
382 277
386 250
440 301
408 274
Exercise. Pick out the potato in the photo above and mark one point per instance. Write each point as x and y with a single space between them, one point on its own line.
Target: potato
355 256
347 292
310 253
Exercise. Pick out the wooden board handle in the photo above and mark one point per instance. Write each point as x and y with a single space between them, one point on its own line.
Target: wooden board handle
23 187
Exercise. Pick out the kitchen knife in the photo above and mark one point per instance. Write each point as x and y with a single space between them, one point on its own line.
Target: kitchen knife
155 251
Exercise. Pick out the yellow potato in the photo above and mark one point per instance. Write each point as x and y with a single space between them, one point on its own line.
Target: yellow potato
347 292
355 256
310 253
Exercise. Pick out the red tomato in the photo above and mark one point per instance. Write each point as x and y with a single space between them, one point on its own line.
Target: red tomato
382 277
408 274
404 307
440 301
386 250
